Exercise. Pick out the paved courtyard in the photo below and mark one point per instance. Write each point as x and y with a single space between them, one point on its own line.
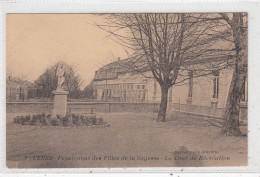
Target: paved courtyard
132 140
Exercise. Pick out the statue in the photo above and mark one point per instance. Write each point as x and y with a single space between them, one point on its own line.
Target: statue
61 76
60 95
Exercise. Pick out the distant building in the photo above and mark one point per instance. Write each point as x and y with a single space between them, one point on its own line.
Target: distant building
113 83
16 89
204 95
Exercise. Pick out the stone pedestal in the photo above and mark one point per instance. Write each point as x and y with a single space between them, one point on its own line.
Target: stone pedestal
60 102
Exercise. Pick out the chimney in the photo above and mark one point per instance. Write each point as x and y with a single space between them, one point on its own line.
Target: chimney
118 59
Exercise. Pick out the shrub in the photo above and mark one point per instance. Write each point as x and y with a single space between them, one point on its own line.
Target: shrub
67 120
100 121
93 120
54 122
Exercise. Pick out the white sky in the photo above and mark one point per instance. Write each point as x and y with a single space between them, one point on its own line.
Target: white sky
37 41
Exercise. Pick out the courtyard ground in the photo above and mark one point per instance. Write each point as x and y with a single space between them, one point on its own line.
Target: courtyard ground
132 140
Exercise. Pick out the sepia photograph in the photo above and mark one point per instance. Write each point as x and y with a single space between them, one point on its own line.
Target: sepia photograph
121 90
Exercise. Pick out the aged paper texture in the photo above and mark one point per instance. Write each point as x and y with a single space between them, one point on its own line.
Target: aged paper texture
126 90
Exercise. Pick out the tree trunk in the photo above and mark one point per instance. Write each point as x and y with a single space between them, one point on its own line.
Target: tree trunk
163 105
231 123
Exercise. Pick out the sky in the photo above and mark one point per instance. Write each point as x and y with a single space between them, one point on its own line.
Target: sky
35 42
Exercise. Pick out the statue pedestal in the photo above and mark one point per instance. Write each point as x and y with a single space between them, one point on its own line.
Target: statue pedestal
60 102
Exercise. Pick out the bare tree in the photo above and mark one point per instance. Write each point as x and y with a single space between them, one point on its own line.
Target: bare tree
238 25
88 90
170 45
72 82
48 81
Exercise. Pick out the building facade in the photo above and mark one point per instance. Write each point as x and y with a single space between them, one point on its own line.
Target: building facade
113 83
203 95
16 89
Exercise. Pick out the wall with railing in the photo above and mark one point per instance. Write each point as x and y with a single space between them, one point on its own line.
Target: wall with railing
81 107
110 107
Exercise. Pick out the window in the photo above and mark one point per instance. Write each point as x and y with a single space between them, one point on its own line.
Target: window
244 91
215 84
190 84
109 93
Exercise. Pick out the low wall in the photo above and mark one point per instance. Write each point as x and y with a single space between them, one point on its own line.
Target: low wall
216 112
29 107
81 107
105 107
209 111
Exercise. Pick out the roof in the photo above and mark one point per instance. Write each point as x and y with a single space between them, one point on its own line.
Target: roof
124 66
115 64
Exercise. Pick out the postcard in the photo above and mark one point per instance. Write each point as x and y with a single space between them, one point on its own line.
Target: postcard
126 90
129 90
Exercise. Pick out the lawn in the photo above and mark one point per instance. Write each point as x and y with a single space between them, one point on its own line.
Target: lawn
132 140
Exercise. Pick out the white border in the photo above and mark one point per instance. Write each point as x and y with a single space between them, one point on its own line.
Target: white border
109 6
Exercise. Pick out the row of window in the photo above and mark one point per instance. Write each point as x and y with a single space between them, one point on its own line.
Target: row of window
216 86
108 94
190 88
120 86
